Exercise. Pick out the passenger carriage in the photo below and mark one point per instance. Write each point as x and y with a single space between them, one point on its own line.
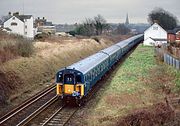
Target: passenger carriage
76 81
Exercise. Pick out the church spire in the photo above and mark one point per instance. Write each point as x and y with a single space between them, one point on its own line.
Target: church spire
127 20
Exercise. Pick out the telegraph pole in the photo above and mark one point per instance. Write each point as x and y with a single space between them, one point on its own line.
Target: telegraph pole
23 7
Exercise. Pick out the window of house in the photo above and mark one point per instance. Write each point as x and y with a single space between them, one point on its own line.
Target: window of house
13 24
26 33
155 28
25 26
13 18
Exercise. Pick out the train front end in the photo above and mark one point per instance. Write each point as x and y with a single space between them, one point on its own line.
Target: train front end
70 85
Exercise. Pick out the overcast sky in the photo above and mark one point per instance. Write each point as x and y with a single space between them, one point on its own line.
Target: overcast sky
75 11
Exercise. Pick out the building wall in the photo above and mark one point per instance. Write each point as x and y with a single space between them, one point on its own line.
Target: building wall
29 30
171 37
178 36
16 29
149 42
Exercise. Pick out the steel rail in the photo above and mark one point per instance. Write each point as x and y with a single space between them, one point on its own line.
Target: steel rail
69 117
26 104
51 117
38 111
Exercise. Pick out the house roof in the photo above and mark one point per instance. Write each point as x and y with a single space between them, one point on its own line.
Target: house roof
8 29
176 29
157 39
153 25
171 32
22 17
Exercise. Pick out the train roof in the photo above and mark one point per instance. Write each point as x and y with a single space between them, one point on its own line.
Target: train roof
88 63
110 50
93 60
123 43
127 41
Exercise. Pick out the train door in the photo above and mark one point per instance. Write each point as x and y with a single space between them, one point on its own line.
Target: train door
69 81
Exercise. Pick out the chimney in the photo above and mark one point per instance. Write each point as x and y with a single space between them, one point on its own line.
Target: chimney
16 14
9 13
156 21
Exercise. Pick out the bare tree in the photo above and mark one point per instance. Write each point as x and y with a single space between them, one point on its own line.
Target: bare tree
91 27
100 24
122 29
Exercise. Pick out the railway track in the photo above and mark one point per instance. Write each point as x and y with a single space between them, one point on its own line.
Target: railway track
30 108
60 117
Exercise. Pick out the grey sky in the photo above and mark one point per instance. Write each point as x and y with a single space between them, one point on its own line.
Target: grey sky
72 11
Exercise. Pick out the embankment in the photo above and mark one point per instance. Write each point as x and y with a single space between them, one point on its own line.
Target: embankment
22 77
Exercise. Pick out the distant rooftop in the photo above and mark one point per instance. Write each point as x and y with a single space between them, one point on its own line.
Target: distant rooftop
22 17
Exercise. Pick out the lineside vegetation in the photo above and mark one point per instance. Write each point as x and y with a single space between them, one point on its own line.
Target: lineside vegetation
140 81
14 47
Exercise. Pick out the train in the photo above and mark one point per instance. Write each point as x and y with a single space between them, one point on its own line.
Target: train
73 83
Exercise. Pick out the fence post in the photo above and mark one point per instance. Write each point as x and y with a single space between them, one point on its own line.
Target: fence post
164 57
177 64
174 62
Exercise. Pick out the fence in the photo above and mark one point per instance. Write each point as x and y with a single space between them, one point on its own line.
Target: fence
168 58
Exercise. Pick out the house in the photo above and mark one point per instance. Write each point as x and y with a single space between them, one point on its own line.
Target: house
155 35
174 35
177 31
40 22
44 26
171 37
21 25
47 29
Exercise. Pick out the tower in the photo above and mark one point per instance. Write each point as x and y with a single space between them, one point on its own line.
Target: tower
127 20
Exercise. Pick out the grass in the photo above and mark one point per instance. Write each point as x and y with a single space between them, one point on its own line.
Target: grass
139 82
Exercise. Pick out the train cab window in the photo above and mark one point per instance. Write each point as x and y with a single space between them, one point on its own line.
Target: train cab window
78 79
69 79
59 78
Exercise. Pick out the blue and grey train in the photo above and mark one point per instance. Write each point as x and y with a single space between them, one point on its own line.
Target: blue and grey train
77 80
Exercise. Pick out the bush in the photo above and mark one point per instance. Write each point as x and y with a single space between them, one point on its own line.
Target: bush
10 49
96 39
24 48
41 36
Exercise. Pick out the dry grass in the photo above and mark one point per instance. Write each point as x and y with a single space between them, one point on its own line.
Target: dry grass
14 46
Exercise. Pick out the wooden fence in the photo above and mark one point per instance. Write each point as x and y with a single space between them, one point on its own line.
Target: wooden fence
172 61
167 57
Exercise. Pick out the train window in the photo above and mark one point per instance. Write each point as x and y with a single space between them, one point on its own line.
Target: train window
78 79
86 78
69 79
89 76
